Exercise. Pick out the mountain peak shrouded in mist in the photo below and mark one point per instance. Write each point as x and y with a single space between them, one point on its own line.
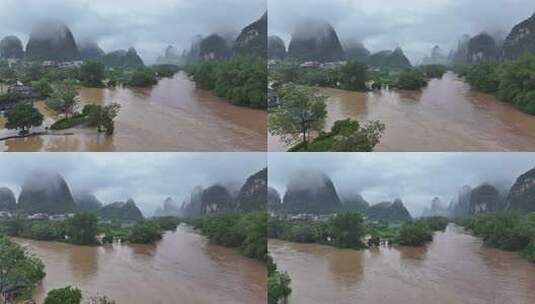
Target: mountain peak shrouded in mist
253 194
252 40
391 211
52 40
214 47
123 59
521 39
90 50
8 202
11 48
311 192
45 192
355 50
125 211
389 59
315 40
169 208
276 48
522 194
482 47
87 202
216 199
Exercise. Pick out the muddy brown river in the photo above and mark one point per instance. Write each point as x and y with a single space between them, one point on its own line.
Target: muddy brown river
171 116
455 268
182 268
444 116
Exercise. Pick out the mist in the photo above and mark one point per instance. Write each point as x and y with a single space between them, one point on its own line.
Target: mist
148 178
414 25
415 178
149 26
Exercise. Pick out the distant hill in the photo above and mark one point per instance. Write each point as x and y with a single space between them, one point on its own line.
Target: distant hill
389 60
169 208
90 50
315 40
485 198
313 192
482 48
522 194
87 202
253 194
52 40
11 48
274 201
437 208
355 202
123 59
8 202
122 211
276 48
388 211
356 51
214 47
216 199
46 192
252 40
521 39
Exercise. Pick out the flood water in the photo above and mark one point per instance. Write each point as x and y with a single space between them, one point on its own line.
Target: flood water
454 268
444 116
171 116
182 268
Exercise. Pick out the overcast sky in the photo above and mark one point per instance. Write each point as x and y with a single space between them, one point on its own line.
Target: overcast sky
148 25
148 178
415 25
416 178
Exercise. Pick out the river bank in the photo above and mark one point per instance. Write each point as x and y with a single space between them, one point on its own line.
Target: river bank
173 115
454 268
444 116
183 265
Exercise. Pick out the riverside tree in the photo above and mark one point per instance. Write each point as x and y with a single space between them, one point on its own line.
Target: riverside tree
302 110
92 73
22 117
18 267
67 295
65 95
102 117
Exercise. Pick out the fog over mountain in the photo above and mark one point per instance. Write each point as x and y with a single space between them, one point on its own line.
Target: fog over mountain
149 26
148 178
414 25
415 178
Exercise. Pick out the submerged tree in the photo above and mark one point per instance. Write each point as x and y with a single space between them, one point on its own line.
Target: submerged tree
67 295
302 110
23 116
102 117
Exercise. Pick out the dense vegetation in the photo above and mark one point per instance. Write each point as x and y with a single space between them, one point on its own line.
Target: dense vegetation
511 81
241 80
345 136
83 228
72 295
18 268
346 230
246 231
506 230
278 283
22 117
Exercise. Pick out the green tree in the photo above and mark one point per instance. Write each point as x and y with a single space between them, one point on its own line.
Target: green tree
18 267
102 117
146 232
354 75
302 110
65 93
92 73
278 283
483 76
346 230
67 295
414 234
23 116
411 80
349 136
82 229
143 78
42 87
